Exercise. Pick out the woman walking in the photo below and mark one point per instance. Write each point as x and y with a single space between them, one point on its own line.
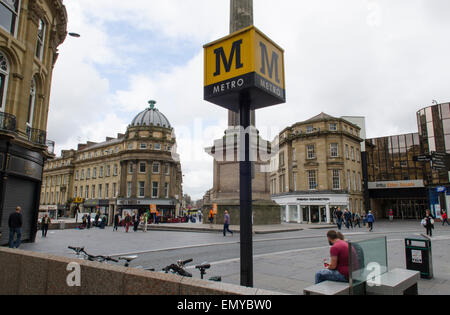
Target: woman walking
45 223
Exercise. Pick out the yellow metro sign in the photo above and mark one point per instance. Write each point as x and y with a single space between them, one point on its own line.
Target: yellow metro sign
244 61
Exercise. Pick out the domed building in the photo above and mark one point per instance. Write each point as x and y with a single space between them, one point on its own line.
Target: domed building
139 170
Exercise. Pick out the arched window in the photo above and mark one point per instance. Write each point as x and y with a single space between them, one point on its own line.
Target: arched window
4 74
31 103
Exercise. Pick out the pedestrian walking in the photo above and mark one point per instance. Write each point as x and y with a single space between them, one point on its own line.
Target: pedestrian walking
348 219
89 219
428 223
444 218
339 215
226 224
211 217
97 217
391 215
84 222
127 222
357 220
15 222
136 221
145 219
116 221
45 222
370 221
364 219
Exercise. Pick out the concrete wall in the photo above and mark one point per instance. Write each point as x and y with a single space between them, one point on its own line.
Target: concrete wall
28 273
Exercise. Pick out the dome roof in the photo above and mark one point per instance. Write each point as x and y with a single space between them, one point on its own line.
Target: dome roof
151 117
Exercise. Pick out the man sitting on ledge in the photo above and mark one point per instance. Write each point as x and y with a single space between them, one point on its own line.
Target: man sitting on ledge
337 269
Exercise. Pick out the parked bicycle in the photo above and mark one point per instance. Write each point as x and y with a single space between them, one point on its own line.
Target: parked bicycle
179 269
80 251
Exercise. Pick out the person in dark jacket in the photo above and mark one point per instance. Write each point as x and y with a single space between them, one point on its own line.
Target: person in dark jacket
45 224
429 223
116 222
89 221
15 228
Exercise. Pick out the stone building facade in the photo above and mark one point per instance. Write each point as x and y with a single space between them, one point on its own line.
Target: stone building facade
30 33
131 172
318 169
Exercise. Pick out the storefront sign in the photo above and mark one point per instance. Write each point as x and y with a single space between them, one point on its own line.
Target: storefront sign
441 189
245 60
397 184
25 167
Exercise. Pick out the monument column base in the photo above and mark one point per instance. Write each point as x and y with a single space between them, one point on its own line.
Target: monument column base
265 212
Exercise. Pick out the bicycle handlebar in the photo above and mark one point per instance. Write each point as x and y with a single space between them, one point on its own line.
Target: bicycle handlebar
187 261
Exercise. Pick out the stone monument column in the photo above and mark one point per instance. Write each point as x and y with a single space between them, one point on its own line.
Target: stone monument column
241 16
225 192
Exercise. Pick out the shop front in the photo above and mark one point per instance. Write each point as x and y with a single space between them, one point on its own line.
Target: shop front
51 210
439 200
97 205
166 208
311 209
406 199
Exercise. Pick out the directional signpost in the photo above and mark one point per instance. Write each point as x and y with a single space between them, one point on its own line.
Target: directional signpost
439 161
245 71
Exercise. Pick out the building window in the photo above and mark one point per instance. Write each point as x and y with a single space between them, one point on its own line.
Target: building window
114 190
167 169
9 11
88 174
143 146
4 75
82 174
156 168
281 159
86 192
157 146
93 191
166 190
333 127
128 189
311 154
310 129
359 182
155 190
31 103
142 167
41 39
294 155
312 180
94 175
130 146
141 189
130 168
81 191
336 179
100 191
349 181
353 153
107 191
294 175
354 181
334 150
75 192
347 156
101 172
108 170
115 170
358 156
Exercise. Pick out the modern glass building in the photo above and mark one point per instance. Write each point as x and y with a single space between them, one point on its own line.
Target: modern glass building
395 179
434 132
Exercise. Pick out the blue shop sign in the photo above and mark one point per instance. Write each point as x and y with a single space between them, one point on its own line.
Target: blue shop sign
441 189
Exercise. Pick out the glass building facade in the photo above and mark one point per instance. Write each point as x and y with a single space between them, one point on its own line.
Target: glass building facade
392 158
395 179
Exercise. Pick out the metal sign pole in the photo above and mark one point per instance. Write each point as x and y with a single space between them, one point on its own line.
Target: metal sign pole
245 166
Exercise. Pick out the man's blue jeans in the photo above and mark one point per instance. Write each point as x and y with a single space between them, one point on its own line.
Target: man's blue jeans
12 233
329 275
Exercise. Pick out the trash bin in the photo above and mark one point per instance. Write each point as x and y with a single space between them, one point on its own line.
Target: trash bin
419 256
62 225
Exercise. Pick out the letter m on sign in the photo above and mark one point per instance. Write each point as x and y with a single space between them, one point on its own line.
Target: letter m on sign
265 61
221 57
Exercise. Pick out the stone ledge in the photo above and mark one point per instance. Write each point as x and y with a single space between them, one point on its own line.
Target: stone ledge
24 272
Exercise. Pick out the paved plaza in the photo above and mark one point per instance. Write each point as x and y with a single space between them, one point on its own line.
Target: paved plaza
285 261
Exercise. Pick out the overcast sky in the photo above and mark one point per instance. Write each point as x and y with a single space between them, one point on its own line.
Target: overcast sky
382 59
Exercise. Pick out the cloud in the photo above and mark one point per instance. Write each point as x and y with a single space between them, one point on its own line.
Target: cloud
375 58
